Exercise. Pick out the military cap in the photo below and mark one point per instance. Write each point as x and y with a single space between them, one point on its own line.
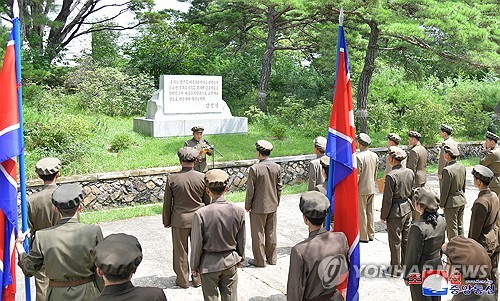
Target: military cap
446 128
468 253
451 149
216 178
197 129
187 154
364 139
320 143
314 204
394 137
397 153
48 166
428 197
483 173
324 161
68 196
492 136
118 254
414 134
263 145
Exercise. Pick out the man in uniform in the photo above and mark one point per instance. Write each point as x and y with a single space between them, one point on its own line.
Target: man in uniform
396 208
484 217
218 241
452 197
117 258
315 174
65 251
202 146
445 133
325 165
417 162
306 279
367 174
262 199
184 194
41 213
393 140
492 160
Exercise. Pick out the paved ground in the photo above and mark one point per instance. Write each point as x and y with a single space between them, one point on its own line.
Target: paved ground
256 284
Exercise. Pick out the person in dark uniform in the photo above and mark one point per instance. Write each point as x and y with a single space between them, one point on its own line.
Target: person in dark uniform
393 139
315 175
445 133
117 258
325 165
424 240
469 259
452 197
396 208
484 219
491 160
308 279
41 213
184 194
417 162
218 241
202 146
262 199
57 246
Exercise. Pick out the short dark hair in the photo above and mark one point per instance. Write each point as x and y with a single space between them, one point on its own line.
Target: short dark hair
486 183
67 212
48 177
116 278
217 190
326 170
316 221
265 153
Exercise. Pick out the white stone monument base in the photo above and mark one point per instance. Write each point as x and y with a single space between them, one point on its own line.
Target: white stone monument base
172 128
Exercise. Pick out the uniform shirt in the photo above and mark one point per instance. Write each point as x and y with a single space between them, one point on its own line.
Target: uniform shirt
417 161
441 161
453 186
388 167
201 161
184 194
484 217
263 187
323 187
41 213
65 250
398 188
217 237
492 161
367 171
128 292
315 173
304 281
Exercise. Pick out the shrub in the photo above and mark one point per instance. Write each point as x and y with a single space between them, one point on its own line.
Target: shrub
278 130
424 116
120 142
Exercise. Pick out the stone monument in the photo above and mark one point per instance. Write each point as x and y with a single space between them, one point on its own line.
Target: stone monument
184 101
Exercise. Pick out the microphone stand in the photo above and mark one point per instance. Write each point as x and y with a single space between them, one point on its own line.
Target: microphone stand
213 155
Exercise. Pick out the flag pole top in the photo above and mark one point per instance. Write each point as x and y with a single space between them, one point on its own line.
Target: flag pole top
15 9
341 17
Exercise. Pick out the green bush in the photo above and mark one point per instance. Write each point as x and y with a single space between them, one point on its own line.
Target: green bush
278 130
121 141
424 116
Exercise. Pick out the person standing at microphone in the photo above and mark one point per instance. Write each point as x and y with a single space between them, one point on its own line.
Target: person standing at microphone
202 146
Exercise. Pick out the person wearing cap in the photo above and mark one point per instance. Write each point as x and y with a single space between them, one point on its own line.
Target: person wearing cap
117 258
65 250
445 133
325 165
184 194
218 241
466 257
315 174
452 196
41 213
367 164
396 208
484 219
424 240
491 160
417 162
262 199
393 139
308 279
202 146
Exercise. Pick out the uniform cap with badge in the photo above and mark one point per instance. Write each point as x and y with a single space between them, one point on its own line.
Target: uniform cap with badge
428 197
483 173
364 139
314 204
264 146
197 128
468 256
216 178
118 254
451 149
394 137
492 136
397 153
446 128
187 154
320 143
48 166
414 134
68 196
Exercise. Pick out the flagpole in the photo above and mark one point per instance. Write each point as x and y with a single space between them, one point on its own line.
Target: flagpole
22 174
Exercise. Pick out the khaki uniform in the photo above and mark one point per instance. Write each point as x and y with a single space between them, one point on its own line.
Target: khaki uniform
323 187
492 161
184 194
262 197
482 226
367 174
417 162
424 249
315 173
41 215
201 162
396 210
441 161
217 246
56 248
304 280
388 167
452 198
128 292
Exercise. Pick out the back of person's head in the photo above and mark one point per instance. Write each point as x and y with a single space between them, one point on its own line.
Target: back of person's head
314 206
216 180
187 154
48 168
483 174
264 147
320 144
67 198
468 257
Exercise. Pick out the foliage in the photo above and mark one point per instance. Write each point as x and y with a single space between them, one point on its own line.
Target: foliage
424 116
120 142
105 49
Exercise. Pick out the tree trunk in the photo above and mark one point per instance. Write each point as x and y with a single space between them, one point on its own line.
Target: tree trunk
265 71
365 78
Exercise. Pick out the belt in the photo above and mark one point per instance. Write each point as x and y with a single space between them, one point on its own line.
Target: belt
399 201
323 297
71 283
456 193
426 257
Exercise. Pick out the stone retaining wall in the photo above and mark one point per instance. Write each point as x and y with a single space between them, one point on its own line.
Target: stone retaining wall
129 188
